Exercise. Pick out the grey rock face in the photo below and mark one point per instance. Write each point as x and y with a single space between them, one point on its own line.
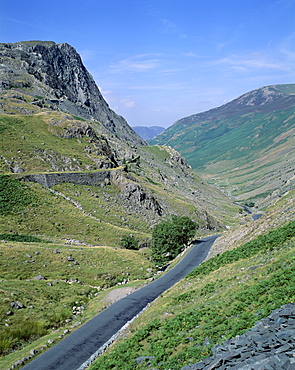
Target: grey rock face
58 73
134 193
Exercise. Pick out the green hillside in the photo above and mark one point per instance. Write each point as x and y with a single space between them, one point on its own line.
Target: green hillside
54 142
246 146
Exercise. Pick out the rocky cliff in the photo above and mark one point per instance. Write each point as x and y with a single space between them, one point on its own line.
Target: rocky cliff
55 74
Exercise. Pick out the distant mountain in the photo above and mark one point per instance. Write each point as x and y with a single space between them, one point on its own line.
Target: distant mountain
148 133
246 146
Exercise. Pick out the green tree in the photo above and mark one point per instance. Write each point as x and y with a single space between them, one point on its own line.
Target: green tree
170 236
129 242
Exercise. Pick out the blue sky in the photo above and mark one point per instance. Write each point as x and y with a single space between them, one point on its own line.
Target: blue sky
157 61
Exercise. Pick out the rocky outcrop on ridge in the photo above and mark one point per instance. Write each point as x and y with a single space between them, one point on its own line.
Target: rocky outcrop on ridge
56 75
99 146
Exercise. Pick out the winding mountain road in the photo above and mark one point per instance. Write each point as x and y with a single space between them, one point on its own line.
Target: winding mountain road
74 351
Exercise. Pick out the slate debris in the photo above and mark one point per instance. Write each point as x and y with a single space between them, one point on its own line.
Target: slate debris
269 345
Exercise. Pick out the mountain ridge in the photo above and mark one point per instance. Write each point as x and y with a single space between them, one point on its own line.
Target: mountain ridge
253 131
257 100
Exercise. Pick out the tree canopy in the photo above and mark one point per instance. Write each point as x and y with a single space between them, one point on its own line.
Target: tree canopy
170 236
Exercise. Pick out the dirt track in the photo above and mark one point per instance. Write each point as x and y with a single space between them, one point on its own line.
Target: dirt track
117 294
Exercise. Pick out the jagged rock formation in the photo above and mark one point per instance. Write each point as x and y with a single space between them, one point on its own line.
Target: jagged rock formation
177 159
99 146
134 193
56 72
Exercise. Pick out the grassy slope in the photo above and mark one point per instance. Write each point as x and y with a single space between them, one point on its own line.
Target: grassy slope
26 139
222 298
49 303
52 217
33 143
254 163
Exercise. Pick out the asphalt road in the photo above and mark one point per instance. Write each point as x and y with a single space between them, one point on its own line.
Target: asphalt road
71 352
255 216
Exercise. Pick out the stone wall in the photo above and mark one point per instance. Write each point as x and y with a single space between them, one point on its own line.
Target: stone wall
130 190
80 178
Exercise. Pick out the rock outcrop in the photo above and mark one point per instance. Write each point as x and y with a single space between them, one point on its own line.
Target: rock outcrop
55 74
134 193
99 145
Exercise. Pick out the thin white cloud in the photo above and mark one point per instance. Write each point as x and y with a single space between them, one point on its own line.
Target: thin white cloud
168 26
221 46
255 61
105 92
128 103
138 63
145 87
172 28
287 47
86 54
192 54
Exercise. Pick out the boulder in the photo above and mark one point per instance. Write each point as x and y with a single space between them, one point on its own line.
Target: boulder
39 277
17 305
